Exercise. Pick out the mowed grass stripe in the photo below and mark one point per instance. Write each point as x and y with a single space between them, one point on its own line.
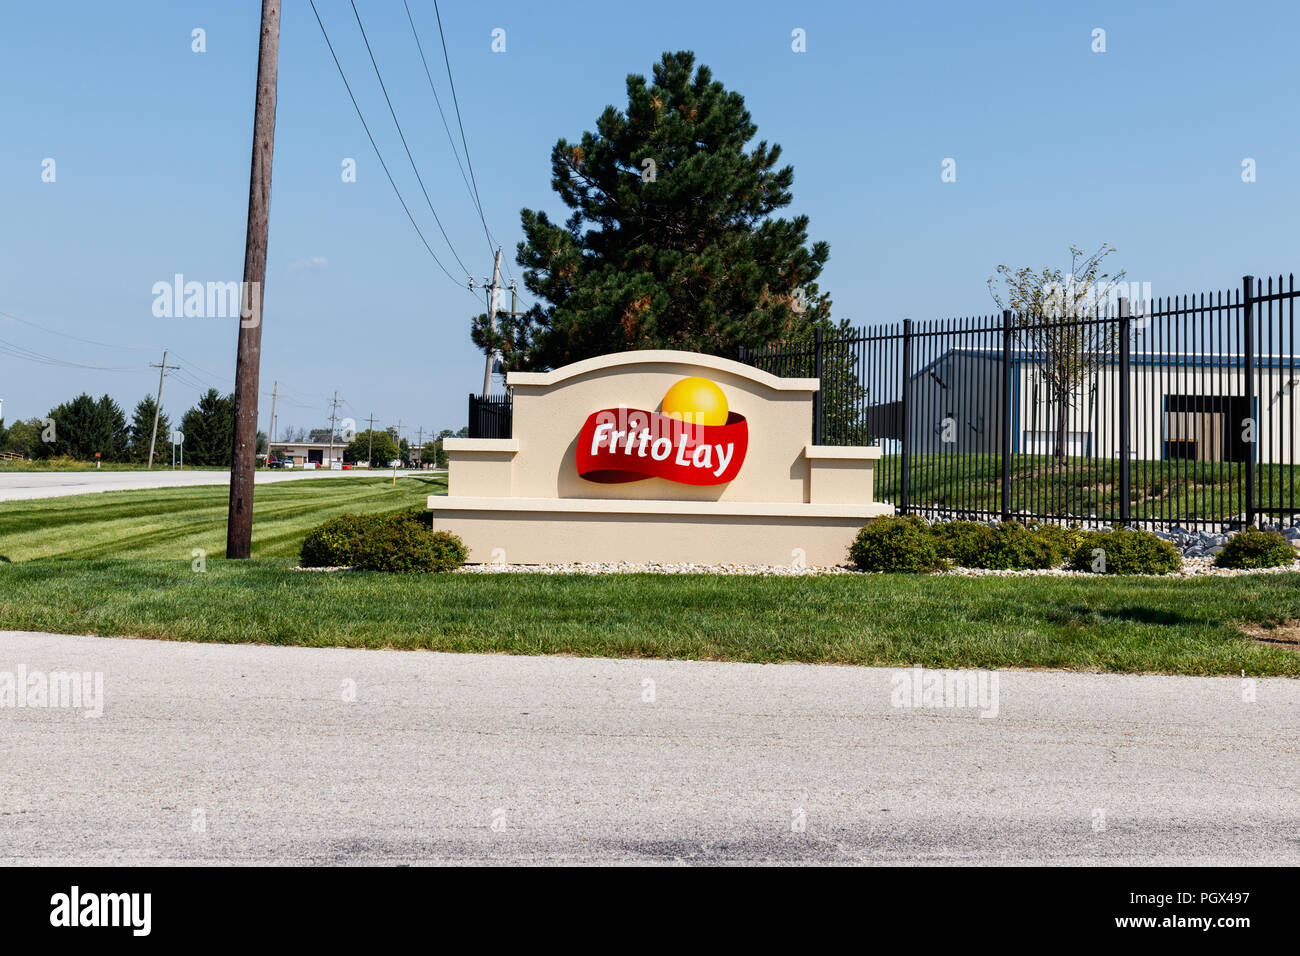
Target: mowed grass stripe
1185 626
172 522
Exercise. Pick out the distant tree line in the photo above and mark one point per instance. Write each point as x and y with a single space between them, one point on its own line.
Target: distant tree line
84 426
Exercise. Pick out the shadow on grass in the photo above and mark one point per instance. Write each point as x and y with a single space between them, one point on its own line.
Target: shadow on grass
1133 614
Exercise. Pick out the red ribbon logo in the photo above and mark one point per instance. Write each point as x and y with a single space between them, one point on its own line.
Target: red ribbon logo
630 444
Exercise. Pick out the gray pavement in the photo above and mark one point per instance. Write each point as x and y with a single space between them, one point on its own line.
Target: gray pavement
219 754
25 485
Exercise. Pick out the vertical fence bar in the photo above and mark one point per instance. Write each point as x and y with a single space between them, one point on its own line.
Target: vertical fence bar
819 402
905 427
1125 401
1248 370
1005 413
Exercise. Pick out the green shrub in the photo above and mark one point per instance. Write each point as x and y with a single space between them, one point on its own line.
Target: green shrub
1066 540
1002 547
957 538
1252 548
1122 551
397 543
898 544
333 544
404 541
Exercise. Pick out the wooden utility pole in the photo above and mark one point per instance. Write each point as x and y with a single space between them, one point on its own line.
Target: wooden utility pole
275 391
493 289
239 520
370 441
334 417
157 408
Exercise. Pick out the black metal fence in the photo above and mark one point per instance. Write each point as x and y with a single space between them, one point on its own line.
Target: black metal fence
490 418
1183 412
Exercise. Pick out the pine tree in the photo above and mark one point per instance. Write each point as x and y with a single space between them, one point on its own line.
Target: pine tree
671 242
142 424
209 429
86 426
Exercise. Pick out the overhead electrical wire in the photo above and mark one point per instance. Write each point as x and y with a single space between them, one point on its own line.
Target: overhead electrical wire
375 146
456 103
77 338
40 358
450 139
418 178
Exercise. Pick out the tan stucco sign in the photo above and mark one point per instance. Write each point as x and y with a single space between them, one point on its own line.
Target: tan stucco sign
657 456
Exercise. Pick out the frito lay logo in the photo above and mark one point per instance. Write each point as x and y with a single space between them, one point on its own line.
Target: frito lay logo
695 440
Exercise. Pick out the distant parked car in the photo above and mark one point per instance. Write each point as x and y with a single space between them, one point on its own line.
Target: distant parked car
348 466
279 463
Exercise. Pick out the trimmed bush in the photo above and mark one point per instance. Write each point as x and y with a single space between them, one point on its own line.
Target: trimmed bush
1066 540
1252 548
897 544
398 543
333 544
954 538
1122 551
404 541
1001 547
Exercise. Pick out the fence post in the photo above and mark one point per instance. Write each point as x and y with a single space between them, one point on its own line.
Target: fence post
1125 406
905 469
1248 369
819 404
1007 336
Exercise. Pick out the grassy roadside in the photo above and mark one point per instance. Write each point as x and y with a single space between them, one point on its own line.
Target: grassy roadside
1182 626
55 465
172 522
1165 490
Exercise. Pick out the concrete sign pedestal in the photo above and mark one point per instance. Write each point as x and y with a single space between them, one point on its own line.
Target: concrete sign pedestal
602 469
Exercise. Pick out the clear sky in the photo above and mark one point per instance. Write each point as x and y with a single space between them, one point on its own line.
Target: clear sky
1140 146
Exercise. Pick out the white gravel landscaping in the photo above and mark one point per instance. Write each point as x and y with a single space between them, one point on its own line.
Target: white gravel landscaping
1192 568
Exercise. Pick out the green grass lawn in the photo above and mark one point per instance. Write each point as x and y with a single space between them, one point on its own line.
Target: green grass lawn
1136 624
172 522
72 464
120 563
1164 490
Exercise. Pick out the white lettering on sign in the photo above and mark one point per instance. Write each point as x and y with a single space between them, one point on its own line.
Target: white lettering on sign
635 443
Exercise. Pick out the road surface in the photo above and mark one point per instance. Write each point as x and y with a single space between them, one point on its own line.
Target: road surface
24 485
211 753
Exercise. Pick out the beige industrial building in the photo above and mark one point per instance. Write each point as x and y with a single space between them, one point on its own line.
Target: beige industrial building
1182 407
309 452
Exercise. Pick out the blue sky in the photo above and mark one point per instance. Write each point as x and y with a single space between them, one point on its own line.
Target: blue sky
1140 146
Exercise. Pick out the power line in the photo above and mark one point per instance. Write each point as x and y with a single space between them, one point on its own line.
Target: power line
76 338
375 146
40 358
450 140
455 102
402 136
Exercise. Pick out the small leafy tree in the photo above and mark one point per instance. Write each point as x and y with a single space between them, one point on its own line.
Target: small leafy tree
1050 309
376 447
24 437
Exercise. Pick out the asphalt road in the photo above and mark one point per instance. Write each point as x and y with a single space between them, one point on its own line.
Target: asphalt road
218 753
24 485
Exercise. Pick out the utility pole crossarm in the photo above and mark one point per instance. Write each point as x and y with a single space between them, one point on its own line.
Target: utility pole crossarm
162 368
493 290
